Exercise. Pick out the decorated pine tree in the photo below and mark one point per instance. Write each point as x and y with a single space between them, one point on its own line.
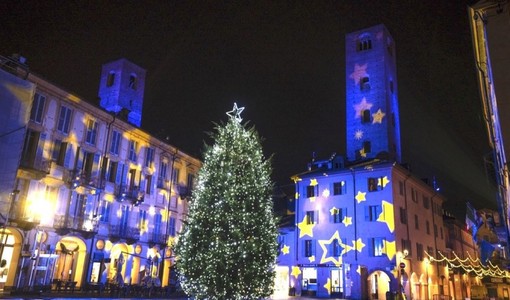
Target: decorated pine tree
228 246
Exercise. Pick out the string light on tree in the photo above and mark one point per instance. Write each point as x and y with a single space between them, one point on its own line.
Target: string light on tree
228 246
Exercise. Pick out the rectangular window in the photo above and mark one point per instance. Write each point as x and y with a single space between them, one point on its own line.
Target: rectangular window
401 188
309 248
112 171
339 188
191 181
149 157
364 83
110 79
64 119
430 250
115 143
157 227
419 251
310 217
377 245
416 222
310 191
59 152
373 184
162 170
143 224
91 132
441 231
338 215
81 205
105 211
148 184
403 215
406 244
132 150
414 195
132 82
426 202
435 230
427 226
372 213
175 176
336 248
37 111
171 226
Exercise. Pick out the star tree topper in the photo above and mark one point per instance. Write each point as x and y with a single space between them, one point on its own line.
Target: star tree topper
235 113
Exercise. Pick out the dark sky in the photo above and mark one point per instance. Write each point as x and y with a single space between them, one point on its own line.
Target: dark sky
284 61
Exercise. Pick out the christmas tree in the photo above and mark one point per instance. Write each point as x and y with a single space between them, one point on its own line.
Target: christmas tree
228 246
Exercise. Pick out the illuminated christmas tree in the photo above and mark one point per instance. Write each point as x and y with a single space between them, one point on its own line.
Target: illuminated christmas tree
228 246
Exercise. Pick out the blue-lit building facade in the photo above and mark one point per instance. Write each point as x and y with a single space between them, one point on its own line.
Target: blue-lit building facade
94 199
365 226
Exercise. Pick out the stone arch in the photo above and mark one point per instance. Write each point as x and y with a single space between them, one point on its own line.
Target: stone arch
119 256
12 239
379 282
72 252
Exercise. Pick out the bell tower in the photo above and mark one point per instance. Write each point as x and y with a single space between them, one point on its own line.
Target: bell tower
373 127
121 89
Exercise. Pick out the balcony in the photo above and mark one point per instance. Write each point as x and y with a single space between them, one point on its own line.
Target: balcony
34 168
163 184
21 217
127 233
77 178
85 226
132 194
158 239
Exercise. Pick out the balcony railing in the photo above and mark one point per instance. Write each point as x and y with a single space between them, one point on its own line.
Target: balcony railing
84 225
163 183
78 178
158 239
39 166
20 217
128 233
132 194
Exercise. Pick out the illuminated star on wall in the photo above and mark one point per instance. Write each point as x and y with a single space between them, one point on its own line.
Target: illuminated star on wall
383 181
323 243
387 215
285 249
358 269
295 272
359 72
390 249
358 245
305 229
360 197
358 134
347 221
311 258
360 107
362 152
313 182
235 113
333 211
327 286
378 117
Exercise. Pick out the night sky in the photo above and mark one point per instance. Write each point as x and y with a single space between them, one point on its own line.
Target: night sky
284 61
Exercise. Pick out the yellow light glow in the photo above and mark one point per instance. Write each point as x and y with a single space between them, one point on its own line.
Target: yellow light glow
152 210
325 193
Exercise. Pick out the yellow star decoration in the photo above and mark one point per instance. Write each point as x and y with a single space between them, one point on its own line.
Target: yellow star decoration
347 221
358 245
296 196
327 286
285 249
311 258
359 71
362 152
360 197
312 199
378 116
323 243
358 269
333 210
360 107
383 181
295 179
313 182
295 271
387 215
305 229
390 249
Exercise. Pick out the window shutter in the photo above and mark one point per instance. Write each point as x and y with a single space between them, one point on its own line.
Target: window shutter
120 171
79 161
367 213
69 154
95 165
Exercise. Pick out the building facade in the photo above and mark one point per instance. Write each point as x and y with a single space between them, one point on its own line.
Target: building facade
95 199
365 226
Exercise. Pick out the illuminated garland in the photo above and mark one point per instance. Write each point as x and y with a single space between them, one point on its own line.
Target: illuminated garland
471 265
